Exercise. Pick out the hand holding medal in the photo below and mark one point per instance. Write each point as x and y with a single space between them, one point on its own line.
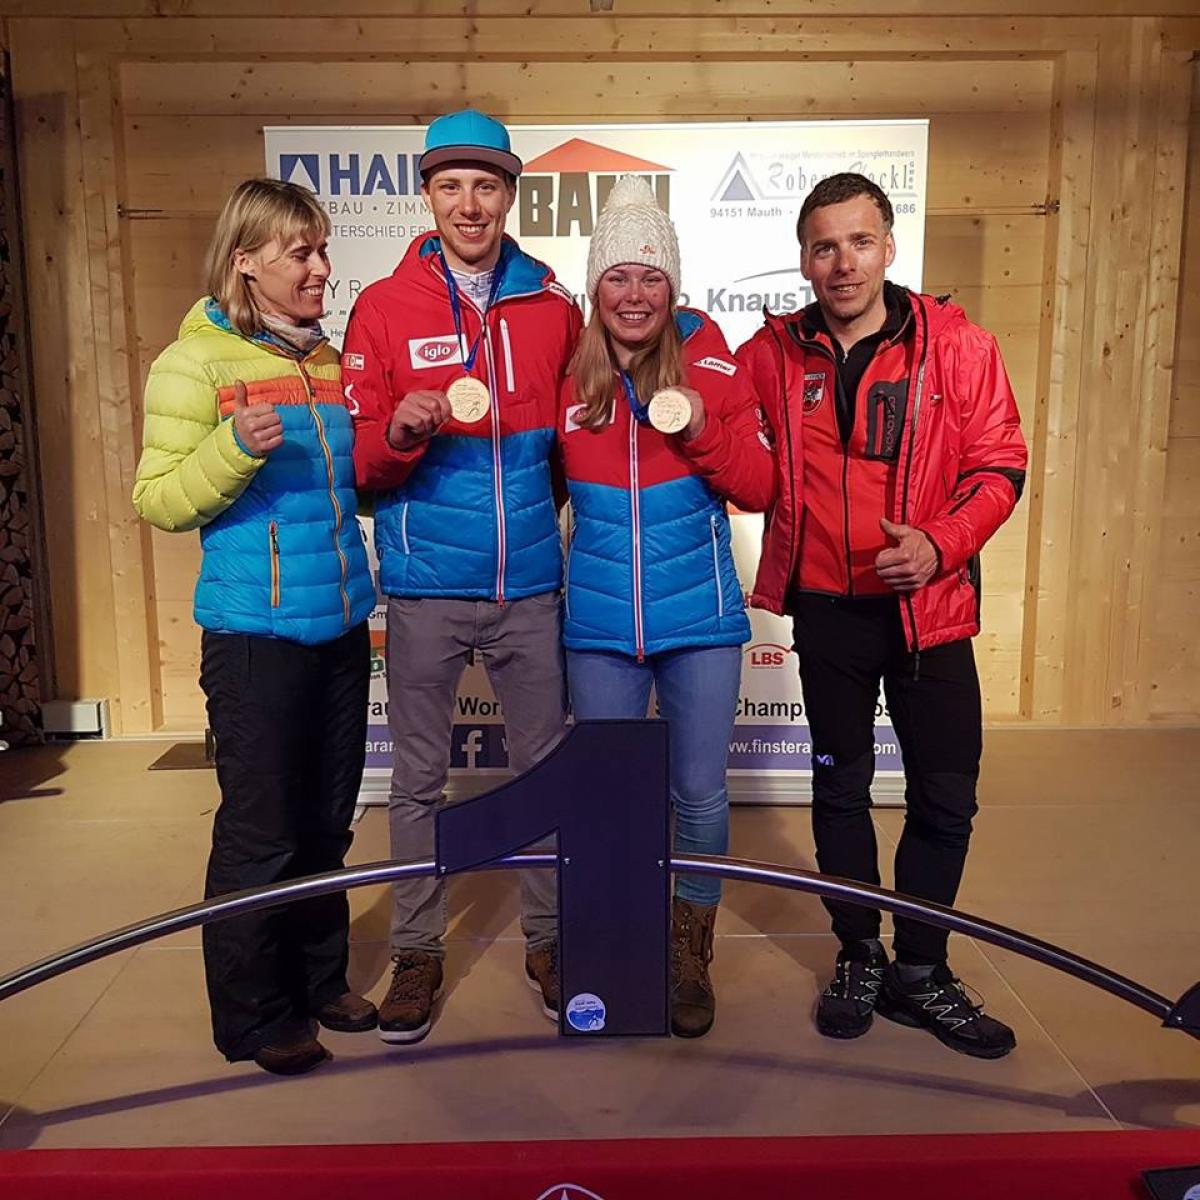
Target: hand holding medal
418 416
469 399
671 409
677 410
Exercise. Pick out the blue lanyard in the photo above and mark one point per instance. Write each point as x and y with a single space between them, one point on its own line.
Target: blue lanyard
641 412
456 310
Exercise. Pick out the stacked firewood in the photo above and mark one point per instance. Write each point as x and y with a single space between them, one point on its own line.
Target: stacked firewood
19 692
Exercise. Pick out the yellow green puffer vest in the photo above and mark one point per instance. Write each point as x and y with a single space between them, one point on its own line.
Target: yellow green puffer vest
283 554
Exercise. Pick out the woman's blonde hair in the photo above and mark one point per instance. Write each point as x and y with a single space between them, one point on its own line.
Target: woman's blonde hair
656 366
258 211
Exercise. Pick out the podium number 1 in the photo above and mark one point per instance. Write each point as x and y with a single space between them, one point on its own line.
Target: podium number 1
604 792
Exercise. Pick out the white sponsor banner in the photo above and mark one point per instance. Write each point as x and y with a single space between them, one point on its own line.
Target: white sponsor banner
733 191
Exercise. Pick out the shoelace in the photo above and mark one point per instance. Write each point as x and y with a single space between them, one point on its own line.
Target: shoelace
947 1000
956 992
690 967
410 980
841 985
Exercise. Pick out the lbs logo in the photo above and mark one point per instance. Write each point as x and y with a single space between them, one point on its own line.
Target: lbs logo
424 353
768 654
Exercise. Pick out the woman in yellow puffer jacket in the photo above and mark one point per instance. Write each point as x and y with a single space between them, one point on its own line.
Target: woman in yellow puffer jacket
248 439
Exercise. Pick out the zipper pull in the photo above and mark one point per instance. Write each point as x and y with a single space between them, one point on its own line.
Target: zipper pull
916 666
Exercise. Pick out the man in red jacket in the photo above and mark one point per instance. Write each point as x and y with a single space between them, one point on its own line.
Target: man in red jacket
900 454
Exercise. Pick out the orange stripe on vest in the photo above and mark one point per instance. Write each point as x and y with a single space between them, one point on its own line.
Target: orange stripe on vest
285 390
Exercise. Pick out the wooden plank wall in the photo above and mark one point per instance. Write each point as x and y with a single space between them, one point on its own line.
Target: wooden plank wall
1175 645
1058 164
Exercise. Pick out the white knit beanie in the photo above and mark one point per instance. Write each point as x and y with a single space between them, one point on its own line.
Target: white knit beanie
633 229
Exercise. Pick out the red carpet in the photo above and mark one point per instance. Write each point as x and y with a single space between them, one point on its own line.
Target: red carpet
1048 1166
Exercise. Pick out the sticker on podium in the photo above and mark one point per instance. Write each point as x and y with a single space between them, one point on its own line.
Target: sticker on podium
586 1012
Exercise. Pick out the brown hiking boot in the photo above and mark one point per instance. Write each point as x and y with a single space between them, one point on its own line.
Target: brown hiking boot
407 1011
541 970
292 1054
693 1002
349 1013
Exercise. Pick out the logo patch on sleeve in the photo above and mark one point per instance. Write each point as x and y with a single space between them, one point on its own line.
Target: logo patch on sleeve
717 364
425 353
354 362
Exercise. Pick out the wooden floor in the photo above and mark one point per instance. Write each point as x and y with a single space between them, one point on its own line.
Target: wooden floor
1087 839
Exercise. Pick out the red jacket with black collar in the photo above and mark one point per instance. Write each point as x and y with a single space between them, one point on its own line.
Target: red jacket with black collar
937 445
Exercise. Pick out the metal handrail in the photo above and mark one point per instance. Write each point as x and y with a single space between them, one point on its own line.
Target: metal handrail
1180 1015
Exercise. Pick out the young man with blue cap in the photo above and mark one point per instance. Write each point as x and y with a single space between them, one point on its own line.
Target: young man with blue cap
452 366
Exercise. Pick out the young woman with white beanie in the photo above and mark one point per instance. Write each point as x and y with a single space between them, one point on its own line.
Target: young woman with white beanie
659 428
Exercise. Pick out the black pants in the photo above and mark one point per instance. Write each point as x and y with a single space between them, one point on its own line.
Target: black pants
845 648
290 723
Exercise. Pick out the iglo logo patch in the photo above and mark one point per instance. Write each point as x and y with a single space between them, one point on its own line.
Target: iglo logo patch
586 1013
424 353
814 392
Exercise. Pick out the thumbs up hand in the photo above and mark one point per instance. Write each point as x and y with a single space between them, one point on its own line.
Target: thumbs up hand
911 563
258 426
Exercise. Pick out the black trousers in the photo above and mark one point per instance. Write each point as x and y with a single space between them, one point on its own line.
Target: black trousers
846 646
290 724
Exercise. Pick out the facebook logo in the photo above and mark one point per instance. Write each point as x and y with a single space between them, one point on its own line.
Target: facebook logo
478 746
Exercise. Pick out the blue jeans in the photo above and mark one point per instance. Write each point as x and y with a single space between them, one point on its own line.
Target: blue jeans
697 695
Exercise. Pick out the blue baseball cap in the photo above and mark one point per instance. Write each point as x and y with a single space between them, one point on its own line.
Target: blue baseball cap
468 136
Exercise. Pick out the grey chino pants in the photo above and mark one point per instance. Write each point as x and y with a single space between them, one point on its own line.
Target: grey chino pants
429 642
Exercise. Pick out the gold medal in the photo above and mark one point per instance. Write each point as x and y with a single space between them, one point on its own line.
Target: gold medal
670 410
469 399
